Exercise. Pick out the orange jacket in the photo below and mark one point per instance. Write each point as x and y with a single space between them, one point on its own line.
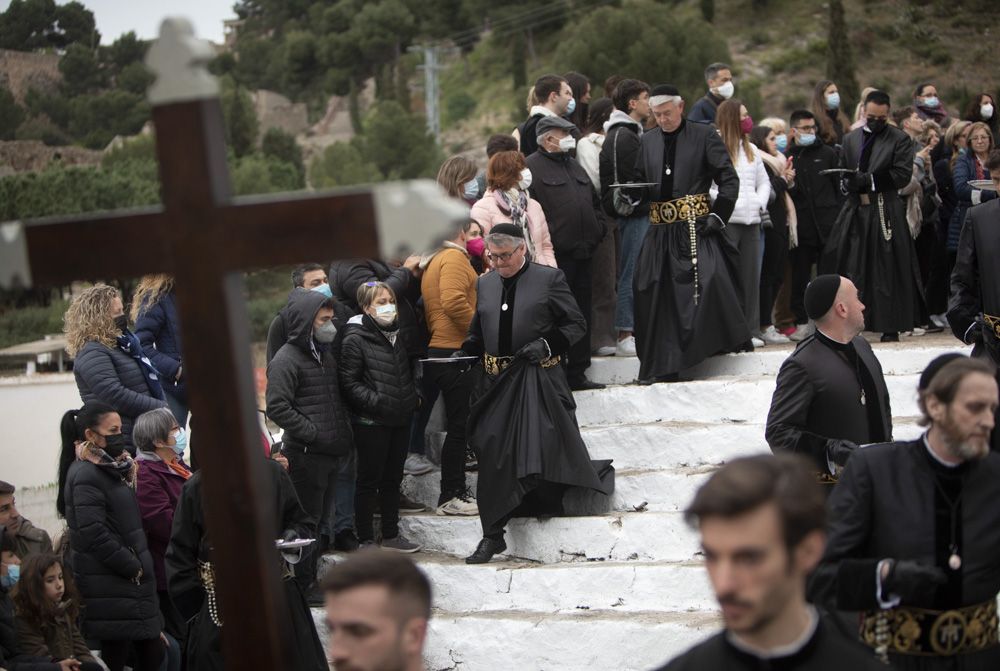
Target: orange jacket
449 290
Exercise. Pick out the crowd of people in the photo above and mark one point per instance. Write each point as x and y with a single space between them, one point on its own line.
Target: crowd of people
615 226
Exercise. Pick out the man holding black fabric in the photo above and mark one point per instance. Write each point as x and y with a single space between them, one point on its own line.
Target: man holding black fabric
687 307
830 395
914 532
525 321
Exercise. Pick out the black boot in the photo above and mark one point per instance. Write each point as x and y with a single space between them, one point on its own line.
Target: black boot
345 541
890 337
485 551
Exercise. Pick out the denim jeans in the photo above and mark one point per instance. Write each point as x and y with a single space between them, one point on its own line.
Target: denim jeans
632 231
339 516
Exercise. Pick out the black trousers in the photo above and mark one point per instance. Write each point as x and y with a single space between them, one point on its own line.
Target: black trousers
772 271
148 654
802 259
381 455
456 384
580 283
315 479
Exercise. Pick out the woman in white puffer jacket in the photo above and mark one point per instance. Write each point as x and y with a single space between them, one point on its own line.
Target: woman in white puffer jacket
743 227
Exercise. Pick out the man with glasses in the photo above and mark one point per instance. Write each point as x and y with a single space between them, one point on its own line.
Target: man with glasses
522 425
817 200
873 243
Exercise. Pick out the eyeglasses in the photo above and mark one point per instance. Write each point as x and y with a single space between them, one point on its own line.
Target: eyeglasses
501 257
979 138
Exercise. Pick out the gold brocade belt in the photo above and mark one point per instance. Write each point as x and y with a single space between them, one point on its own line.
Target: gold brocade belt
494 365
938 633
687 209
993 323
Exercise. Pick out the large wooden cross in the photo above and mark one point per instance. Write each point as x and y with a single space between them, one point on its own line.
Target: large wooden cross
204 237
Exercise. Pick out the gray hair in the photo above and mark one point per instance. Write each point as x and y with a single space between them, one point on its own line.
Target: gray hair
502 240
656 101
713 70
151 427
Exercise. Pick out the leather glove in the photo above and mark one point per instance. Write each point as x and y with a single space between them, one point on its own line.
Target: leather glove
859 182
839 451
535 351
974 335
458 354
709 224
910 580
289 535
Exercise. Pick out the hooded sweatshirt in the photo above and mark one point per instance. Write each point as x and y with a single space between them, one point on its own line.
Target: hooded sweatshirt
628 132
303 387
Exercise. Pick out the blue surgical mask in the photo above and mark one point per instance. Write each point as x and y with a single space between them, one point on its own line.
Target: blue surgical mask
571 107
13 575
471 190
833 101
180 442
324 289
806 139
931 101
781 142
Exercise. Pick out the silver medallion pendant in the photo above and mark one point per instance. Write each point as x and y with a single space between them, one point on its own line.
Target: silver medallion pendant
668 171
863 398
504 307
954 561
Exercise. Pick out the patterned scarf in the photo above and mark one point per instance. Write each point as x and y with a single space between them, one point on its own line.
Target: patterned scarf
515 203
124 466
128 342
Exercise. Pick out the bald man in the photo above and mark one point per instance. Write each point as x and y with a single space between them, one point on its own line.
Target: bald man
830 395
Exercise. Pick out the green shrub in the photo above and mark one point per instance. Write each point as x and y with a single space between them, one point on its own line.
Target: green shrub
458 106
31 323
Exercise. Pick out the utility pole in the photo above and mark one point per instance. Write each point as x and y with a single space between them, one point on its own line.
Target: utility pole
432 90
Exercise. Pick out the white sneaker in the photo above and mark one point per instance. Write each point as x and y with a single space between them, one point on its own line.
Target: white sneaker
802 331
756 342
940 320
463 505
626 347
607 350
772 337
417 464
917 332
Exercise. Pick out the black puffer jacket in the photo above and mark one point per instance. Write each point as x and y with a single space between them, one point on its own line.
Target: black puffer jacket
567 196
375 375
108 548
303 389
111 376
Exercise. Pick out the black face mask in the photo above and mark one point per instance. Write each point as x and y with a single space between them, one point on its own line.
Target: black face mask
114 445
877 125
121 323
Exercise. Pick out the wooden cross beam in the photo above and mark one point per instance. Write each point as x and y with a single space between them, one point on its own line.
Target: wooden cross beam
203 237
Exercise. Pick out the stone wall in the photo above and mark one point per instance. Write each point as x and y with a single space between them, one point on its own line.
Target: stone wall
276 111
21 71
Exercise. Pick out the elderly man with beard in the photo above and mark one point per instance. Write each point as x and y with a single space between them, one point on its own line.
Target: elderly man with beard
761 520
914 539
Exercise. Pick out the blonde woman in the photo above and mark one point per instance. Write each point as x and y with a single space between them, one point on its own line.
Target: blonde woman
109 363
154 313
743 229
457 176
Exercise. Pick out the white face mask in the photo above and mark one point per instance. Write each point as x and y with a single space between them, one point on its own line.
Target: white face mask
525 182
385 314
986 111
568 143
726 90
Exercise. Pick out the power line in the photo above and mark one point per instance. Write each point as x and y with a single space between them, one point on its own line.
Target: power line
519 18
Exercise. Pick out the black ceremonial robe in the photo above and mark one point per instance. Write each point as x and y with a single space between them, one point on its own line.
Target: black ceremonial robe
817 399
886 505
522 425
824 651
189 545
885 271
671 332
975 286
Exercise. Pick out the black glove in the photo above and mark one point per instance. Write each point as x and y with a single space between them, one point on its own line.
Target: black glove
457 354
859 182
839 451
911 581
289 535
535 351
709 224
974 335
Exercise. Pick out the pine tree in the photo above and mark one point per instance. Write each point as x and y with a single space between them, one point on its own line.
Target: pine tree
840 62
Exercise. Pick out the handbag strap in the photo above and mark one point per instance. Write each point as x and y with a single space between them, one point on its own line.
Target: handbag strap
615 156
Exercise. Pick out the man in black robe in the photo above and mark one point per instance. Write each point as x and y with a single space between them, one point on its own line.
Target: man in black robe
871 240
974 306
914 537
687 305
830 395
761 521
523 425
190 574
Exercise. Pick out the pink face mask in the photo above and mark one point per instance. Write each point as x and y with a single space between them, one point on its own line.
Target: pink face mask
475 246
746 125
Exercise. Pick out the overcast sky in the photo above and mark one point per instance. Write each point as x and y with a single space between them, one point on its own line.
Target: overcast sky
115 17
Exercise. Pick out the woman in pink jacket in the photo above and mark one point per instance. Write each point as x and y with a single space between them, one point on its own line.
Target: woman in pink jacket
507 201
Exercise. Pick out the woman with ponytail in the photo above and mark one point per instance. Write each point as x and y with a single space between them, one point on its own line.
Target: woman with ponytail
108 550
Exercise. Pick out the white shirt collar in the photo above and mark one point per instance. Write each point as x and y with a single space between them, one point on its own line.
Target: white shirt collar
927 444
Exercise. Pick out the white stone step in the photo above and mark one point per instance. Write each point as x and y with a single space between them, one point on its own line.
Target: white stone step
905 358
645 536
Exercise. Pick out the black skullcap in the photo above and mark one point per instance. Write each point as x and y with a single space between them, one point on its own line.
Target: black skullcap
547 123
820 295
664 90
507 229
934 367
